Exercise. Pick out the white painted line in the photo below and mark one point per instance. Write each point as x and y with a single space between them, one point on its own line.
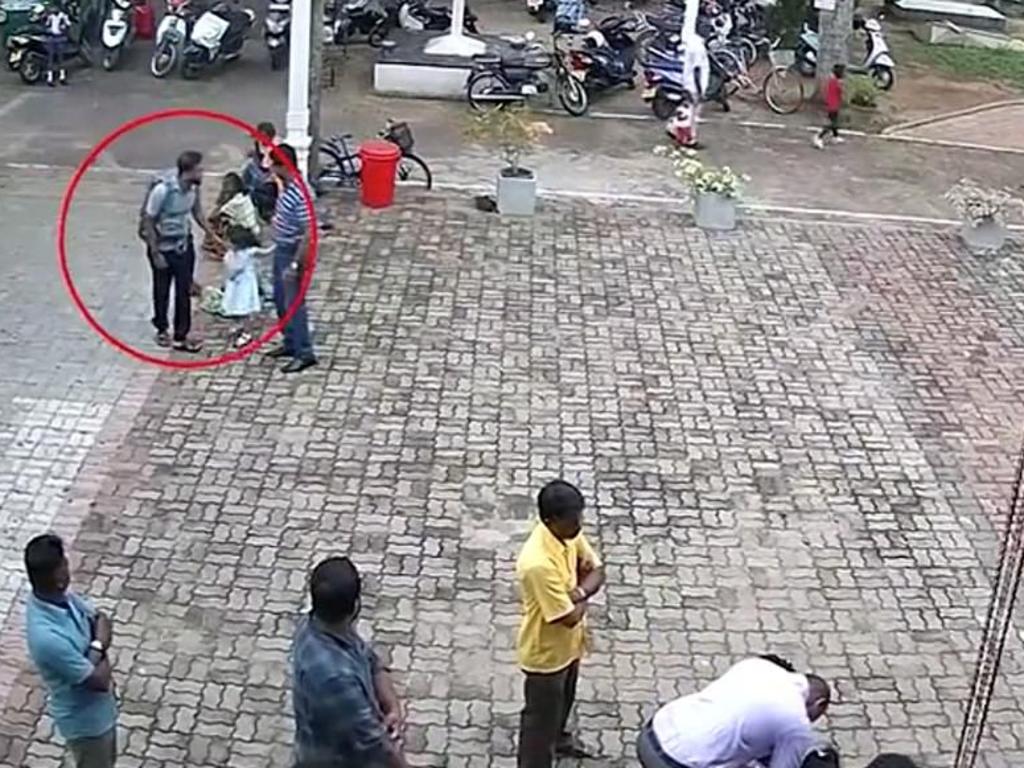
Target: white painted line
14 103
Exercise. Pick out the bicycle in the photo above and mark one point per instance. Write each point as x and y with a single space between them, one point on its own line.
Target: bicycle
783 87
344 166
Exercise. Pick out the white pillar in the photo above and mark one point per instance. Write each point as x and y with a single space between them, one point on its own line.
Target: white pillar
297 118
456 43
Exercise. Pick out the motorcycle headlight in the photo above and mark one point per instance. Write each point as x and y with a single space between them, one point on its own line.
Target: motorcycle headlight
3 16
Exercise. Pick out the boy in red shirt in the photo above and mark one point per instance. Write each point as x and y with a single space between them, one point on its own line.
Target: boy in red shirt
833 103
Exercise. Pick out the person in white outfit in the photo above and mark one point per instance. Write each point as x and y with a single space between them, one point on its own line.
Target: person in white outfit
758 713
241 299
57 25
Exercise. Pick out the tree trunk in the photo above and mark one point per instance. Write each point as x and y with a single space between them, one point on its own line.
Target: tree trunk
834 30
316 79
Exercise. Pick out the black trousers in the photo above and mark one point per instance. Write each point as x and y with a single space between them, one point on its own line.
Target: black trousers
545 716
180 266
832 127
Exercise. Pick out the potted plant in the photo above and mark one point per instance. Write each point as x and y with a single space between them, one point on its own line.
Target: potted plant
983 212
513 133
714 190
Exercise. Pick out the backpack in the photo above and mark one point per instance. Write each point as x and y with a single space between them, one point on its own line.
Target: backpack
154 180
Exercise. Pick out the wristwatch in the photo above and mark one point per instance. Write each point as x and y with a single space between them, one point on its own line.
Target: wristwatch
97 646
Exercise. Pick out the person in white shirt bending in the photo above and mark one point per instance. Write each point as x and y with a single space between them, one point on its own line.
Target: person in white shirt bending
759 712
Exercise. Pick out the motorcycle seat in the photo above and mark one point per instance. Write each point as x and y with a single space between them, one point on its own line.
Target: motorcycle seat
487 59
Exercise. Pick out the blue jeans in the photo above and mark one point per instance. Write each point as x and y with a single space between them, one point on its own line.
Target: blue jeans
297 341
55 53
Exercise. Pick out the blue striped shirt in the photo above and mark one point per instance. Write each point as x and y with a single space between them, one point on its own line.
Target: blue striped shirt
291 217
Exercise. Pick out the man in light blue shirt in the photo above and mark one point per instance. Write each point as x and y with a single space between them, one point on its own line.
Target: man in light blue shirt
68 641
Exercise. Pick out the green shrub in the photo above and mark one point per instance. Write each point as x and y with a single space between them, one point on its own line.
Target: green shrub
861 91
785 20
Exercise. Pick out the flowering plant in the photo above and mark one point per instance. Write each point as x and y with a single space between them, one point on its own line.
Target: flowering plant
700 178
977 204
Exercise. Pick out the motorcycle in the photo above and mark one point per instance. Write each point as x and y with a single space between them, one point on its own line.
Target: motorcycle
417 16
606 58
276 27
217 36
497 81
666 89
361 17
175 28
27 48
878 61
118 31
541 9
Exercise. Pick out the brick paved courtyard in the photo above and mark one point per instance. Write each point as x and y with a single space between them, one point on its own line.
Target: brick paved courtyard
795 438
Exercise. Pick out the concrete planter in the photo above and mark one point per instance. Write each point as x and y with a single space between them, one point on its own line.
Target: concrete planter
714 212
986 236
517 192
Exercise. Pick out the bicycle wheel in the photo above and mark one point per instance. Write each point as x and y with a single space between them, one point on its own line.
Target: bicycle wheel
487 90
783 91
413 169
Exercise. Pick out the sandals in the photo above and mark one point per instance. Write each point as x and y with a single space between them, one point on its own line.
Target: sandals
188 345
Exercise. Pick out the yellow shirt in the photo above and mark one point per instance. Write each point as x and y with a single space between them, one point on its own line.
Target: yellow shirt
547 572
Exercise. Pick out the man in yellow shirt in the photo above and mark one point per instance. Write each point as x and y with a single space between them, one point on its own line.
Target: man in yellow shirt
558 573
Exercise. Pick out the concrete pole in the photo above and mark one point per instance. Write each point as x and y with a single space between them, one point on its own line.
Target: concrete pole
689 20
297 117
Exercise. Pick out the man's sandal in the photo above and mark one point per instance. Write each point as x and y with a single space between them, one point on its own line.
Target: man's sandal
188 345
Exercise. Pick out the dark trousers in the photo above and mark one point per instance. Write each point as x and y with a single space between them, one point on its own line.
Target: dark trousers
180 266
297 341
545 716
55 53
832 127
97 752
650 753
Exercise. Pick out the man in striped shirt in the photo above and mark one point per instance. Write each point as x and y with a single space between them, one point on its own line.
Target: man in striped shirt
292 258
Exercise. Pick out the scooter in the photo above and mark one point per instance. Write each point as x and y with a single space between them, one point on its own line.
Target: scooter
118 32
175 28
666 89
541 9
606 58
276 28
361 17
878 61
217 37
27 48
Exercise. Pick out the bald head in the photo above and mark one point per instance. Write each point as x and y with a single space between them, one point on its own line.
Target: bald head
819 695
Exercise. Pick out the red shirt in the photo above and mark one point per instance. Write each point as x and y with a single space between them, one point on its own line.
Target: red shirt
833 94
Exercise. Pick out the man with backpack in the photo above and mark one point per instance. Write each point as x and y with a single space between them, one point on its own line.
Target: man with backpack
165 227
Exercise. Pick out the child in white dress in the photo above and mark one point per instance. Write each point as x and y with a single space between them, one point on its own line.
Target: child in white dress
241 282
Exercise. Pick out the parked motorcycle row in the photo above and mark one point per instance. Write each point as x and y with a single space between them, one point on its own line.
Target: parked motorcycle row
605 56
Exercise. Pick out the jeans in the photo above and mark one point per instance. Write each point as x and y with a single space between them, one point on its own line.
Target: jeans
55 53
297 341
545 716
97 752
180 266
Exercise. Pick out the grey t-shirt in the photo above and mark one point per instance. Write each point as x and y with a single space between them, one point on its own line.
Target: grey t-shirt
170 206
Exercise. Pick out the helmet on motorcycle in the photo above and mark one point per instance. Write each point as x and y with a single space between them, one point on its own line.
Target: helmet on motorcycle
36 13
594 39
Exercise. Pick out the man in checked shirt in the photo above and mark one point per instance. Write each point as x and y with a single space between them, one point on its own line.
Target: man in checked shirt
347 714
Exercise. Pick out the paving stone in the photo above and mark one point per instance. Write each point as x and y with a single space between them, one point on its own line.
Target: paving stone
796 437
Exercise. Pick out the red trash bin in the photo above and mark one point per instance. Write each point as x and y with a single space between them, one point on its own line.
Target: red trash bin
379 161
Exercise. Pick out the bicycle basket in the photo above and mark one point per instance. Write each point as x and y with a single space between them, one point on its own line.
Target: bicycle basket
401 134
782 57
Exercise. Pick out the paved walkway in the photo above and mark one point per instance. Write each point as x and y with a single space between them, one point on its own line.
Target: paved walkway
997 127
794 438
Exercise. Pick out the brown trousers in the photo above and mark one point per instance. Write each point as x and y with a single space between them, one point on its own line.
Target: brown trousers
545 717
